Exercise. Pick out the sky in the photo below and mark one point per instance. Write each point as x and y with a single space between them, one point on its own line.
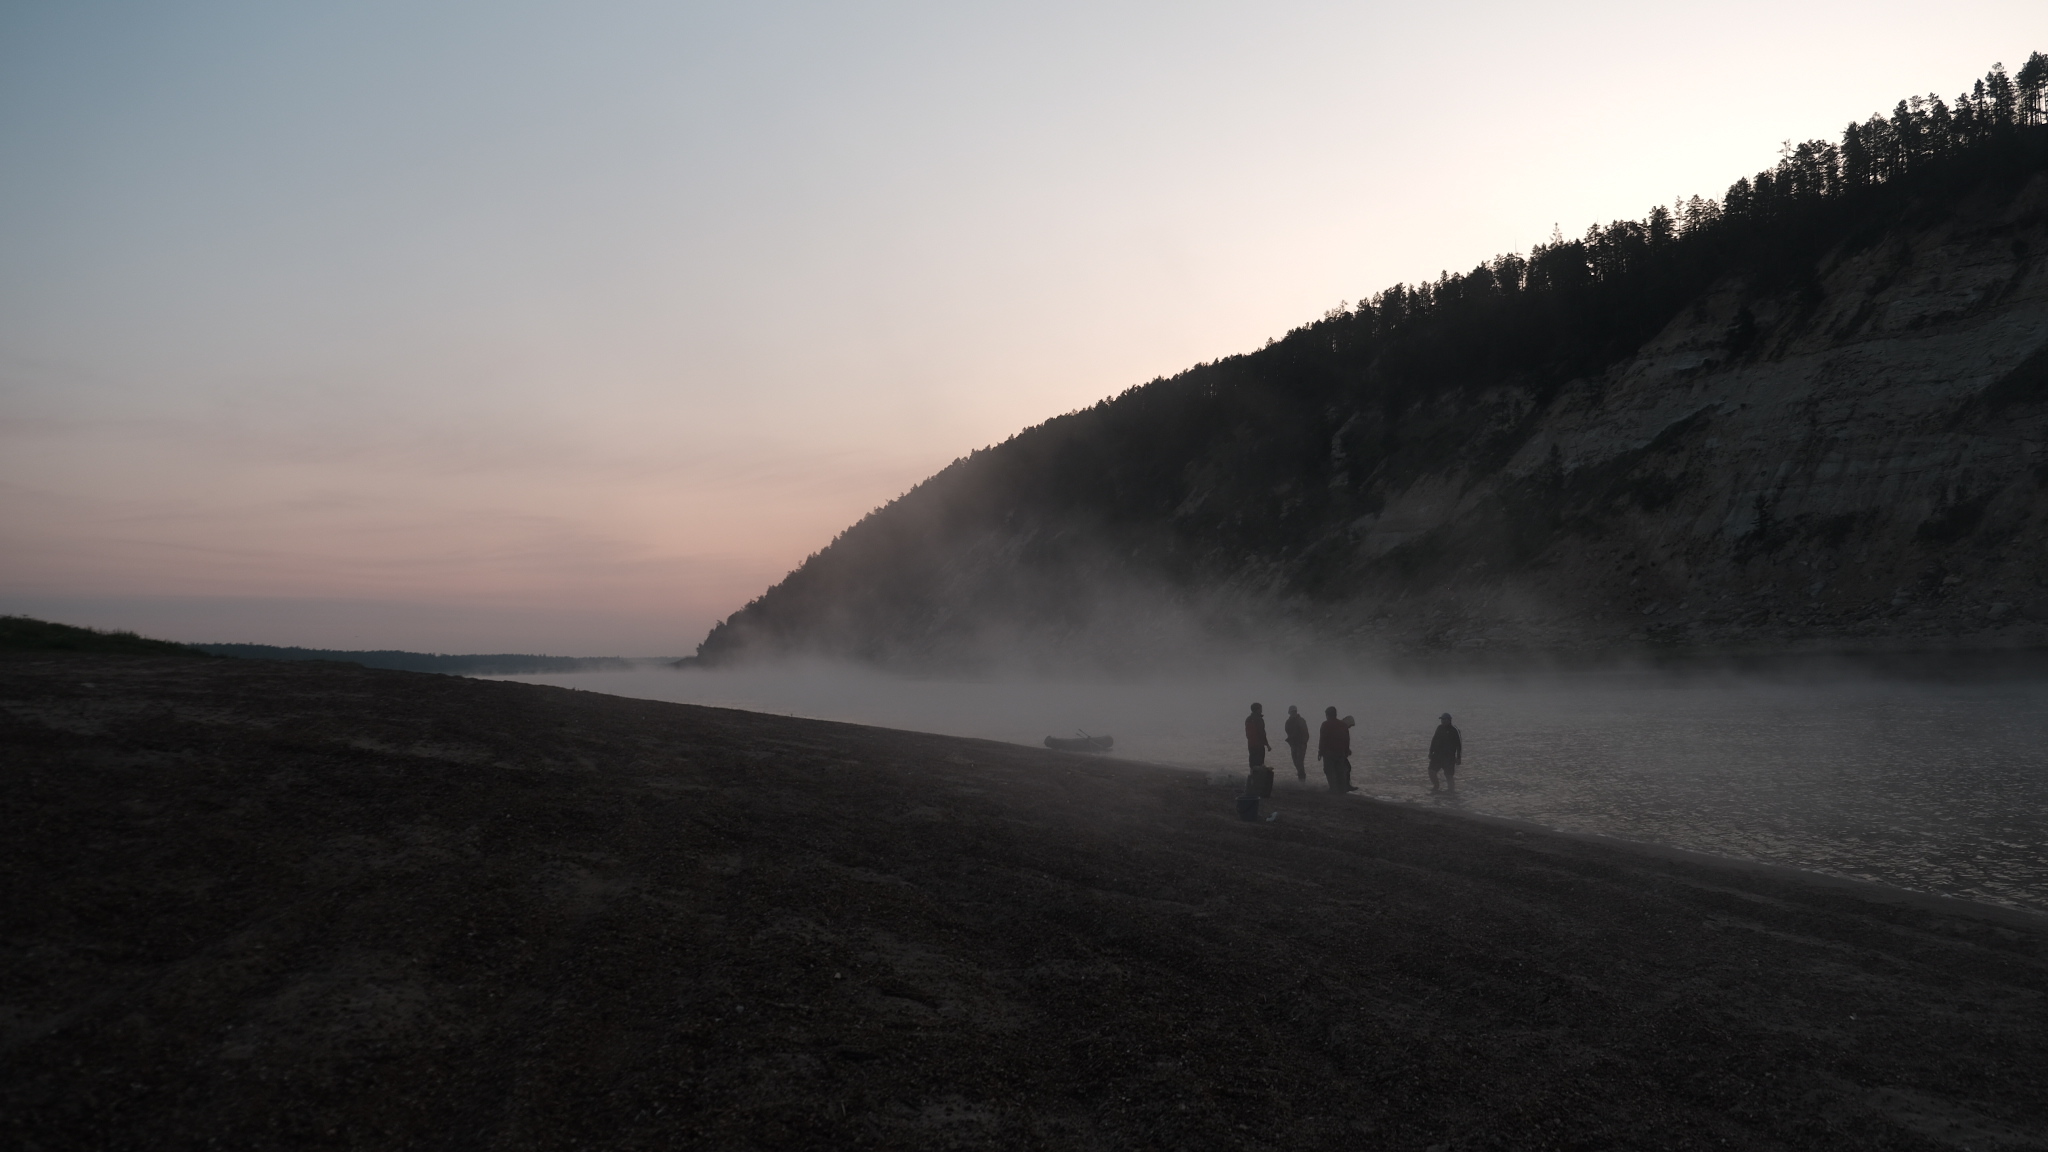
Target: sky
570 328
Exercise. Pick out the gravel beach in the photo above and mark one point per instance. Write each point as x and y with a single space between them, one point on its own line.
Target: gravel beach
306 905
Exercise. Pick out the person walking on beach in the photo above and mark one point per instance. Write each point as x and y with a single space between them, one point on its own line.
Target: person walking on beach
1261 781
1333 748
1297 741
1446 750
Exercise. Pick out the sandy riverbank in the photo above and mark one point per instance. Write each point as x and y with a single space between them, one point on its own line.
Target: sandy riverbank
315 906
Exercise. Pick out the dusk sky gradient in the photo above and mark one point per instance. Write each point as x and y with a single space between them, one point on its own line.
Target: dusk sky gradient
570 328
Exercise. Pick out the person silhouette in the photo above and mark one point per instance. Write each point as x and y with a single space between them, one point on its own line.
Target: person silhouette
1297 741
1446 752
1333 748
1260 783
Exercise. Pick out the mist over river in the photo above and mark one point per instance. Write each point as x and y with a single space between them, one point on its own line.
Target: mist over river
1935 784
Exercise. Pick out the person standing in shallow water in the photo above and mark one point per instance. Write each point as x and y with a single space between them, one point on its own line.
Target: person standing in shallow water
1261 782
1446 751
1333 748
1297 741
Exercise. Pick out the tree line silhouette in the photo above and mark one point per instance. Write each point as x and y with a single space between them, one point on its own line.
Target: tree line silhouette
1592 295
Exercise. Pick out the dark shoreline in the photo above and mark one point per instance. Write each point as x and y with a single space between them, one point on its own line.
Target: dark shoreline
1905 658
1872 891
316 905
483 664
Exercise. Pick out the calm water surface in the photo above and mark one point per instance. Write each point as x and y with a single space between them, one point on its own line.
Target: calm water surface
1935 785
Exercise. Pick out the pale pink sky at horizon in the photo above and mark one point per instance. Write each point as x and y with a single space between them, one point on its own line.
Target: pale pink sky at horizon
529 327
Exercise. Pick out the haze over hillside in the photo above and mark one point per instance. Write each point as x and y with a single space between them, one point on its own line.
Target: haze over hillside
1814 411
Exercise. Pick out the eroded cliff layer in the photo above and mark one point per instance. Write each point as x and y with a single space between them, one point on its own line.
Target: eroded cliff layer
1833 435
1857 455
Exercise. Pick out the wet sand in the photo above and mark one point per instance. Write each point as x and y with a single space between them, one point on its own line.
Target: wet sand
298 905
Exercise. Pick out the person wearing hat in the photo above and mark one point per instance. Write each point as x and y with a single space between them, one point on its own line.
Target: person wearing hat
1446 750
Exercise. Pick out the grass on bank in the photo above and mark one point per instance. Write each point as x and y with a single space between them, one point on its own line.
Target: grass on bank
27 634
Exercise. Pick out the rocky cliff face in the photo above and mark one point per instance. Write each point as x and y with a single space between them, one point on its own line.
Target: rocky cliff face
1861 456
1852 456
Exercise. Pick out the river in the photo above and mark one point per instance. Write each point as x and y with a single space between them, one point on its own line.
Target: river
1935 783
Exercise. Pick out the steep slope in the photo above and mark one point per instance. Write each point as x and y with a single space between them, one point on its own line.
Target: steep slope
1828 428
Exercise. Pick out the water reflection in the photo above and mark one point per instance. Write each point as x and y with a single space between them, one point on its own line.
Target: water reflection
1937 785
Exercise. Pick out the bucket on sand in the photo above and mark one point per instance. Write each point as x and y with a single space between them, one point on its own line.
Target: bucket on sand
1247 807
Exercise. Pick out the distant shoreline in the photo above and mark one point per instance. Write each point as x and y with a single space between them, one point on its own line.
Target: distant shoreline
1914 660
491 664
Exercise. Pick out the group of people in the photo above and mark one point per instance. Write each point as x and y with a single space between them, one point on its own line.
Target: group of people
1333 748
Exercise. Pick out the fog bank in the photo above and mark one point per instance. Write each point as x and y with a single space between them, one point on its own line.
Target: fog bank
1935 784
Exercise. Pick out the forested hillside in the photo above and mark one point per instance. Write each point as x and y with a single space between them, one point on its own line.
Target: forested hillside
1813 410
